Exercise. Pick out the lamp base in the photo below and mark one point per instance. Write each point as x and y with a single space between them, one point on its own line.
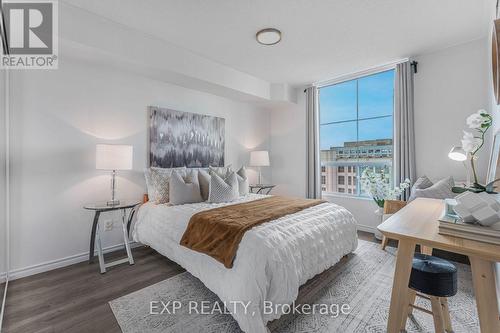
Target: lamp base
113 202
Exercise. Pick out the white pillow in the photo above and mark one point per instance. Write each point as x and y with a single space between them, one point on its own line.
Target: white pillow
243 184
440 190
184 188
157 183
223 190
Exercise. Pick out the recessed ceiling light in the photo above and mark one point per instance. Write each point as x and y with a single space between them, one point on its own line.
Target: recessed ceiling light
268 36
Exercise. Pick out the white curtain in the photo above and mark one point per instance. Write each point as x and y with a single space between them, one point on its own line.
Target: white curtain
313 161
404 132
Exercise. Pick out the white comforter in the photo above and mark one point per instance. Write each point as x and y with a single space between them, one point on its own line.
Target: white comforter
272 261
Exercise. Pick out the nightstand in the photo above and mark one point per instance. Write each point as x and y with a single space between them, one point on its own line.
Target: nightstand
95 234
261 188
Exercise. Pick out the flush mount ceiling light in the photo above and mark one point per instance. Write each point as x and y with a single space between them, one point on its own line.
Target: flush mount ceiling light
268 36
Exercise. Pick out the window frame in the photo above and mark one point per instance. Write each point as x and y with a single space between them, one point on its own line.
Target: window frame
347 78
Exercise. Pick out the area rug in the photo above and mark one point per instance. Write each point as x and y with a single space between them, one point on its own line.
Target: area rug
363 280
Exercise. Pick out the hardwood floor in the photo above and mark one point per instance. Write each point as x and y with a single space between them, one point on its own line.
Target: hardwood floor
75 298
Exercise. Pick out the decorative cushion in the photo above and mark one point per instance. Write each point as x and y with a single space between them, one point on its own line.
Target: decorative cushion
157 183
440 190
421 183
221 171
204 181
223 189
204 178
243 184
184 188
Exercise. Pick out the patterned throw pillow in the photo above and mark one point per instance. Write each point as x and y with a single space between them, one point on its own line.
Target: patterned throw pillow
223 190
243 184
221 171
157 182
184 189
440 190
421 183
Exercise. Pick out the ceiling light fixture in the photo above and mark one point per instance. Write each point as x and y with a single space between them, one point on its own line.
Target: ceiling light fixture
268 36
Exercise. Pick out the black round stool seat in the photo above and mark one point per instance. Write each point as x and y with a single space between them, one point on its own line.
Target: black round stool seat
433 276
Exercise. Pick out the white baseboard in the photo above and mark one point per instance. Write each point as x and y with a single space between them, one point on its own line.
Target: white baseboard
367 228
58 263
74 259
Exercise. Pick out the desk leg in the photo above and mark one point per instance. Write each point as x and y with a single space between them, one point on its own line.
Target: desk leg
483 277
426 250
92 235
400 295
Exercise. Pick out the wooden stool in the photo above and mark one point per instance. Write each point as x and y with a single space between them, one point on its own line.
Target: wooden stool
433 279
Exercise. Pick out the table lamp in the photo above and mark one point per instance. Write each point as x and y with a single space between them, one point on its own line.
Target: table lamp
259 159
459 154
113 158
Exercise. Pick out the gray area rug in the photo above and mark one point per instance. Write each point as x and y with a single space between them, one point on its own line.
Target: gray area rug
363 280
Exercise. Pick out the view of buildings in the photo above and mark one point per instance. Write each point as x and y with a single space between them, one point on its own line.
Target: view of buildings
341 167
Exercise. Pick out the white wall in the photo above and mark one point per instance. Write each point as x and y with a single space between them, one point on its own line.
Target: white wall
450 85
288 149
59 116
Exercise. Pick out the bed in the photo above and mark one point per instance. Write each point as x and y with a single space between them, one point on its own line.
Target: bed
273 259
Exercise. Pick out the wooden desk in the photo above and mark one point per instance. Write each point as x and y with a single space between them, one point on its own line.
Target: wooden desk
417 223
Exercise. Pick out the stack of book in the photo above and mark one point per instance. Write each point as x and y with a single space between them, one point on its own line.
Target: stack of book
454 226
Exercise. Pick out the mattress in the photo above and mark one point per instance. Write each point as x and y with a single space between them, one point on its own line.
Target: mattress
273 259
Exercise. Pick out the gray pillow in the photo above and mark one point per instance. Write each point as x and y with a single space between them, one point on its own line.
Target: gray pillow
421 183
204 180
440 190
157 183
184 189
223 190
221 171
243 185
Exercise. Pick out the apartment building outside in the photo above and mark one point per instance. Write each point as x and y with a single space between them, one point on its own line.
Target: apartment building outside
341 167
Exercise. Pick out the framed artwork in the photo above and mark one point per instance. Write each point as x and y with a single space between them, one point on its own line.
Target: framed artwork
178 139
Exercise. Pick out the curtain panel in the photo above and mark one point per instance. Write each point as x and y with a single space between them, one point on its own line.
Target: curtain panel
313 168
404 132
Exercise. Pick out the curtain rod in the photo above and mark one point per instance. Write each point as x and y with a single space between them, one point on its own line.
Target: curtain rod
366 72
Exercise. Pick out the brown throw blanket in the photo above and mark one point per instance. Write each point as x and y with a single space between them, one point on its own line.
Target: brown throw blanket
218 232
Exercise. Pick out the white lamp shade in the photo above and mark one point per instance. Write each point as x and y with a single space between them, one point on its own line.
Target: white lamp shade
457 154
259 158
113 157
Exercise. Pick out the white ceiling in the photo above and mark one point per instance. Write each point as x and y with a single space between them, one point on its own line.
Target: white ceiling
321 38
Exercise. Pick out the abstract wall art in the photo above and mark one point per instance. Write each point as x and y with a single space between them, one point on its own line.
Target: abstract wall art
187 139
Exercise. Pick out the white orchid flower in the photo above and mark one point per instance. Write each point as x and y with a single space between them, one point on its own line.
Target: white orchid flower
469 142
475 120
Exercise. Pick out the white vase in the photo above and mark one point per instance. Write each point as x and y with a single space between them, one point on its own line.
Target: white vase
379 213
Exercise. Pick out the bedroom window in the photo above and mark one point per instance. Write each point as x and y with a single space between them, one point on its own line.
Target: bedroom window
356 130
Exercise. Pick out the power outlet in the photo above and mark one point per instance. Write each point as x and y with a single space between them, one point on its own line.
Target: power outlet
108 225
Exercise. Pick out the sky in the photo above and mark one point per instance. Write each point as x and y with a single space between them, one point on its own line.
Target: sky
339 109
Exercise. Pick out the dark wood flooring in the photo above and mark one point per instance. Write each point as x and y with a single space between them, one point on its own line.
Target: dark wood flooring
75 298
